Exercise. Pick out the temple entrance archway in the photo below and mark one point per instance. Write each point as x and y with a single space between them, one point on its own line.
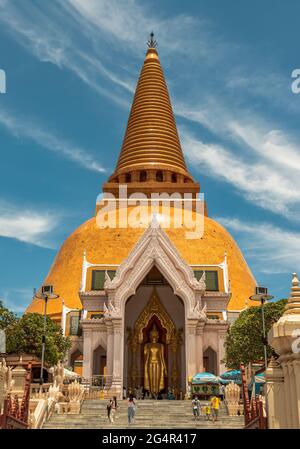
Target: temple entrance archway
154 308
127 294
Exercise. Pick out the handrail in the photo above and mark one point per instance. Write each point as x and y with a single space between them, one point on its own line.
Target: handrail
253 410
246 401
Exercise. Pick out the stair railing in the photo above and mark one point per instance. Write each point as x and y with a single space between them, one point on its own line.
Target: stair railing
253 410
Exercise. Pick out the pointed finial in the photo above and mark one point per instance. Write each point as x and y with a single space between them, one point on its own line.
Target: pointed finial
293 305
152 42
295 280
154 219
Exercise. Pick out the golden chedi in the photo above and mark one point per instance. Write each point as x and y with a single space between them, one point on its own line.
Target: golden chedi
105 277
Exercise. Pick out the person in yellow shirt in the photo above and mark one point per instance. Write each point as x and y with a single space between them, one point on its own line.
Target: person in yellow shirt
215 405
207 412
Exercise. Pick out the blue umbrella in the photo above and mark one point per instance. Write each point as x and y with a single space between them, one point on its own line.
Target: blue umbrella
233 375
260 378
205 378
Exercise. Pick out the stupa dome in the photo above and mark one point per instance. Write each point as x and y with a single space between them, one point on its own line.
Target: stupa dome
111 246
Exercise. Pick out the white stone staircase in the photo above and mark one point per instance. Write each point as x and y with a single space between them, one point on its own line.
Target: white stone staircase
150 414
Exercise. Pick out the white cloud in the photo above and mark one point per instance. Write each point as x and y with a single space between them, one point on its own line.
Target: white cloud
27 225
128 22
16 299
261 161
266 169
50 39
103 26
25 129
260 181
273 145
270 248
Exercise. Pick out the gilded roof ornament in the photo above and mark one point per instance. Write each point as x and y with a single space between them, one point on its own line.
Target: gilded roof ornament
152 42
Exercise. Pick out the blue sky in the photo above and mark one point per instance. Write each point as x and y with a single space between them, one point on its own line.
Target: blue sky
71 68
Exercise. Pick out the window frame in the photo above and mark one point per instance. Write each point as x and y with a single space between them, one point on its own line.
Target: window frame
109 272
217 289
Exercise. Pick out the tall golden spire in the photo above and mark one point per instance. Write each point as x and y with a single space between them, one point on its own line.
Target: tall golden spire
151 150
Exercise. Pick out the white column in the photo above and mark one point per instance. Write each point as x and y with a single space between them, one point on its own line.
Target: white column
117 355
87 353
274 390
288 396
221 352
109 350
293 389
199 347
191 347
296 366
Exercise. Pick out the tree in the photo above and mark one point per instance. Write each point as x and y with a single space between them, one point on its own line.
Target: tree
6 317
244 341
25 336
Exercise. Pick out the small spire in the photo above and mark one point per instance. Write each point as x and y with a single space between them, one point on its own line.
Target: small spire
293 305
295 280
152 42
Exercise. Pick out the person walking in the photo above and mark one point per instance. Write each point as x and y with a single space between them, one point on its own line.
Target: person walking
215 405
131 410
196 407
108 408
113 409
207 411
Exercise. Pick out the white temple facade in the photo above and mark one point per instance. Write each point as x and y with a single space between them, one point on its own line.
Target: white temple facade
131 303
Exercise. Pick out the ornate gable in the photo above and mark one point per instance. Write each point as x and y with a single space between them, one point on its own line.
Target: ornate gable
155 249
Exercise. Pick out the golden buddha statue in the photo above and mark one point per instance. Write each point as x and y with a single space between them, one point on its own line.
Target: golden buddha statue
155 365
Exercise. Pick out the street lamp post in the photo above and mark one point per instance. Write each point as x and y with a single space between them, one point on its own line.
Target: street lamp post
45 293
263 298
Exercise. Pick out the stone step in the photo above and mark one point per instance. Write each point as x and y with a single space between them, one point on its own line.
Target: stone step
209 425
150 414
